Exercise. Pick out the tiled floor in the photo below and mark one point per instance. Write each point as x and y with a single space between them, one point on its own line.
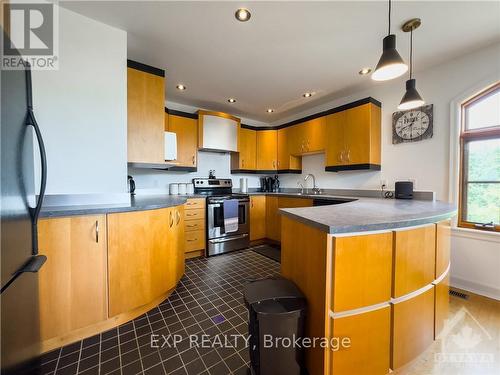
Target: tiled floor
208 301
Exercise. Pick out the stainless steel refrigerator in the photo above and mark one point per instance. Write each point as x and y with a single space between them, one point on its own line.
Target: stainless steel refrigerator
20 206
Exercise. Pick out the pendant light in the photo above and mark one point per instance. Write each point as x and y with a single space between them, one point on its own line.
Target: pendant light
411 98
390 65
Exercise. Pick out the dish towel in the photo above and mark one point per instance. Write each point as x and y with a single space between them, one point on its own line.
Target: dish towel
230 207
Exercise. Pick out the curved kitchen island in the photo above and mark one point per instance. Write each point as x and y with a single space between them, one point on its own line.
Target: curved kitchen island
107 264
375 271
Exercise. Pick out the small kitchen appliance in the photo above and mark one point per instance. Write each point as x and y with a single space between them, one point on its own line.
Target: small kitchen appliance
403 190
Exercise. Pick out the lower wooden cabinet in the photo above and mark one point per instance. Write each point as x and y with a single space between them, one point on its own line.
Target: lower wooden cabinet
144 256
195 227
368 351
441 304
257 217
73 281
413 327
273 217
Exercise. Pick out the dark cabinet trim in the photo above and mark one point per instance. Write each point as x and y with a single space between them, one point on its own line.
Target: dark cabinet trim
145 68
352 167
173 112
252 171
183 169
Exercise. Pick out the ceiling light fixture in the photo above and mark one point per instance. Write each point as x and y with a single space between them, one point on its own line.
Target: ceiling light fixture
364 71
307 94
242 14
390 65
231 100
181 87
270 110
411 98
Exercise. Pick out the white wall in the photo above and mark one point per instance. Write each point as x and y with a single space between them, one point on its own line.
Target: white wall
82 108
426 161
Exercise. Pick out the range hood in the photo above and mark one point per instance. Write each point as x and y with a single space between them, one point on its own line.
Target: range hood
217 132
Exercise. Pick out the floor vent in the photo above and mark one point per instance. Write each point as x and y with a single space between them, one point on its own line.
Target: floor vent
454 293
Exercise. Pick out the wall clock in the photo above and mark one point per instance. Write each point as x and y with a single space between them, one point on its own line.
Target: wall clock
412 125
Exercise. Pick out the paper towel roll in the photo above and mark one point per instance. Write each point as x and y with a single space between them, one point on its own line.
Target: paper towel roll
244 185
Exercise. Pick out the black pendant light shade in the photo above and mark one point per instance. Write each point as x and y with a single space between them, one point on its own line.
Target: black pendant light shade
390 65
411 98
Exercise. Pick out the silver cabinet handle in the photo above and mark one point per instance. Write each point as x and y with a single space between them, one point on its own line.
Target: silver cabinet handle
171 220
192 239
97 231
192 225
194 160
348 155
178 217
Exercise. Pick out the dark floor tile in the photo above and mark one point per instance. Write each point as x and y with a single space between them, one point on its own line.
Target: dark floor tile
219 369
110 366
132 368
127 336
71 348
130 357
89 351
109 334
234 362
179 371
172 364
108 354
68 359
47 367
155 370
68 370
151 360
89 362
91 371
167 352
113 342
189 355
50 356
211 358
128 346
195 367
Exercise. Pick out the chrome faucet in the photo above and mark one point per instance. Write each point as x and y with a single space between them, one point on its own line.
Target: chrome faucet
315 189
301 187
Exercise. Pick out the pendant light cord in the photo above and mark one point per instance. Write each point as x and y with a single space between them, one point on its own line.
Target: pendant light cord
389 32
411 52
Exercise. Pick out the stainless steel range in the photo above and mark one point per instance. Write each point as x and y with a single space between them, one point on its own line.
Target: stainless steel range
218 191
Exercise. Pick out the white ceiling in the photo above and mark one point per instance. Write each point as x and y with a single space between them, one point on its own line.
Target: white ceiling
287 48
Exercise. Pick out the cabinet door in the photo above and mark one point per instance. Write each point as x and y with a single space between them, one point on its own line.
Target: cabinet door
186 130
314 135
178 244
138 245
145 117
247 149
267 150
257 217
335 139
357 135
283 153
273 222
72 283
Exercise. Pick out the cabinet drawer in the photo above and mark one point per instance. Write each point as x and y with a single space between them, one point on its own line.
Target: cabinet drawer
195 203
195 240
194 214
192 225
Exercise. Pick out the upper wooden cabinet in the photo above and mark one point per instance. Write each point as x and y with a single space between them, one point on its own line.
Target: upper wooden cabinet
267 150
353 138
145 113
73 281
308 137
245 158
186 129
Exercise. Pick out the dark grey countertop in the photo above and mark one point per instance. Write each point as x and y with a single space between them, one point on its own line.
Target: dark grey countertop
370 214
137 203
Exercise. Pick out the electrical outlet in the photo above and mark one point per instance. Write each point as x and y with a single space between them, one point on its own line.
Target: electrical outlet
383 183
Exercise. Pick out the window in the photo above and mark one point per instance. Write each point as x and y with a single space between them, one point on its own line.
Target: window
479 205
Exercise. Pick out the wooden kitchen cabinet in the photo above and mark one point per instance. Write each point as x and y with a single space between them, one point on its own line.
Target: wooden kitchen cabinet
257 217
353 138
73 281
267 150
194 226
309 136
186 130
145 113
144 258
286 161
273 217
245 159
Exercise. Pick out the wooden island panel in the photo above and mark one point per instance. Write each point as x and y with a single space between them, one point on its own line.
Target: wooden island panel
414 259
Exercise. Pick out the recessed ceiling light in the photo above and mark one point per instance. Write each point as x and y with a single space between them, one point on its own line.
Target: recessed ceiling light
242 14
364 71
307 94
181 87
270 110
231 100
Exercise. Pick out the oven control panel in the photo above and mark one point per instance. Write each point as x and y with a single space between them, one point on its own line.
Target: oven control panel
212 183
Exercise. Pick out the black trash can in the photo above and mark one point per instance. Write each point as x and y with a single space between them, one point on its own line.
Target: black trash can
277 311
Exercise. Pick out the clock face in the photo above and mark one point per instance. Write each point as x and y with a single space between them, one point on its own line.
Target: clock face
412 124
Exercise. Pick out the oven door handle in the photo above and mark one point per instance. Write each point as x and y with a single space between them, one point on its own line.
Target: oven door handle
233 238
